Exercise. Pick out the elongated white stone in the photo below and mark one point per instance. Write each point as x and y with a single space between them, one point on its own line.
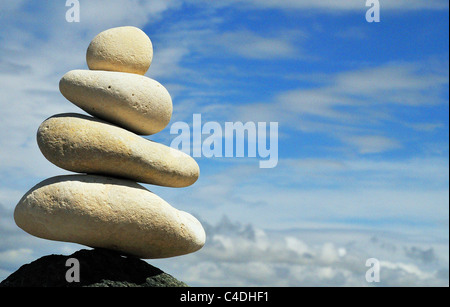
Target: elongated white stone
108 213
137 103
84 144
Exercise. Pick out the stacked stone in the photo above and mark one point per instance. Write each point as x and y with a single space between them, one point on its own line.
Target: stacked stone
106 207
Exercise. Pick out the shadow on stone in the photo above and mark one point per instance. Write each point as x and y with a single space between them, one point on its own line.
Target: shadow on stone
98 268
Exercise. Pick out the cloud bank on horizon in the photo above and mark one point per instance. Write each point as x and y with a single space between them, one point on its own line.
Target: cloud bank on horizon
363 129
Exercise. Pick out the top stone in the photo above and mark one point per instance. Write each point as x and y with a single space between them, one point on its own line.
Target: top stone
122 49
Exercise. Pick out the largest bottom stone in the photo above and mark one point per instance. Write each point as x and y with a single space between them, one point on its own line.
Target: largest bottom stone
110 213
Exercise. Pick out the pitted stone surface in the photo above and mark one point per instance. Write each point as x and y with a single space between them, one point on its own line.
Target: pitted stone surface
124 49
108 213
136 103
83 144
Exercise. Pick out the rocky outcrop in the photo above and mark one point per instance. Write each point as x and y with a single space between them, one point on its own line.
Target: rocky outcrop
98 268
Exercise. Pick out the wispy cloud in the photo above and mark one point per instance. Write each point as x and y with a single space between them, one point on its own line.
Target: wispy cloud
353 107
368 144
358 95
396 83
331 5
253 46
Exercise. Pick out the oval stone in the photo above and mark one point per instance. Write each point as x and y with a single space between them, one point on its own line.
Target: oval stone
124 49
108 213
137 103
84 144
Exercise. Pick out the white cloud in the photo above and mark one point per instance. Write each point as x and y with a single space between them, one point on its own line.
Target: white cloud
167 62
353 33
250 45
354 115
335 6
352 107
14 256
426 127
396 83
99 15
242 255
7 7
233 256
409 195
369 144
296 245
392 83
184 41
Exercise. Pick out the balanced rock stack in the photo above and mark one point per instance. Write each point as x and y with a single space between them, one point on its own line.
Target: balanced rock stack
105 207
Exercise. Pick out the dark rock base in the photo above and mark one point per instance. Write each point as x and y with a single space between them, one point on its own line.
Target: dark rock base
97 268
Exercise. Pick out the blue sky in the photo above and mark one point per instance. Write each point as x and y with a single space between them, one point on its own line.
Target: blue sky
363 129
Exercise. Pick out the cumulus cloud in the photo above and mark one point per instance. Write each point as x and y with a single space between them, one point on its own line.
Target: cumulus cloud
238 254
425 256
242 255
